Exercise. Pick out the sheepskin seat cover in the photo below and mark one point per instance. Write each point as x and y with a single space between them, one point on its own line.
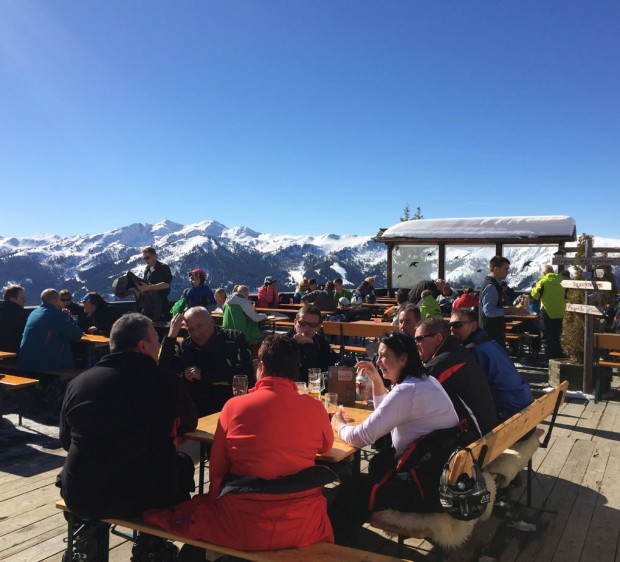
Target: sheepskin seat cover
513 460
442 529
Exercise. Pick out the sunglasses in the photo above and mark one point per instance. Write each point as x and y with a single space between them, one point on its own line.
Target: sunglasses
420 339
146 258
65 299
458 323
305 324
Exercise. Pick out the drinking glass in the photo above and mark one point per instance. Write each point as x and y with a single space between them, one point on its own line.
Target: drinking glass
315 383
240 385
302 387
331 403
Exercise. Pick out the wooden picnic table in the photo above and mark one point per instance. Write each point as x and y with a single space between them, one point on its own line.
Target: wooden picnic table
370 328
204 434
92 342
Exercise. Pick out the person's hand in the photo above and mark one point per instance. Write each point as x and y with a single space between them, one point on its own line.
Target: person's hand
193 373
175 325
368 368
338 421
92 330
143 287
302 339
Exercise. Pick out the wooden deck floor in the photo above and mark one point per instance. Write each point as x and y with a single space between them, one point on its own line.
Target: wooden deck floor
578 477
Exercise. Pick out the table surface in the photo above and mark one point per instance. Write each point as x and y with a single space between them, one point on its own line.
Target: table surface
205 432
385 325
7 354
93 338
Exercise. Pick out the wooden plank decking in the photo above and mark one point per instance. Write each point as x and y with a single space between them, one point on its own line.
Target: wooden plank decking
578 477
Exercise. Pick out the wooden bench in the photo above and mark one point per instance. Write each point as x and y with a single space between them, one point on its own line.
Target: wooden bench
318 551
521 339
606 348
14 382
363 329
500 454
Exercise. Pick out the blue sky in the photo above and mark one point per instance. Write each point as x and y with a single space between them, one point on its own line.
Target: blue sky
307 117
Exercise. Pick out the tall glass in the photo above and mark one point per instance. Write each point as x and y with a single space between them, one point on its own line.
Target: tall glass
315 380
240 385
331 403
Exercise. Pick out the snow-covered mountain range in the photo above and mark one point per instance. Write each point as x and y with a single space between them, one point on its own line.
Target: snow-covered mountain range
229 256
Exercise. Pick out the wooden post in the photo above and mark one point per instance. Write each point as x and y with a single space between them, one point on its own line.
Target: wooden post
588 340
388 280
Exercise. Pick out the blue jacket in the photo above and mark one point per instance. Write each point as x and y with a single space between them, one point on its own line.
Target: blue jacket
510 392
46 343
200 296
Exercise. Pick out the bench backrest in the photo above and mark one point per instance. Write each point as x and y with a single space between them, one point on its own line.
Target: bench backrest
609 342
508 433
332 328
373 330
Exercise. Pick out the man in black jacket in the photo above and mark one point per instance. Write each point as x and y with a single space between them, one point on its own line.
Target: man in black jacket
208 359
459 374
314 351
155 286
12 318
118 423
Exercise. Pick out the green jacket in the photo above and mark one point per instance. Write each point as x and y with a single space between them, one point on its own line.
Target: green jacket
551 294
345 293
429 308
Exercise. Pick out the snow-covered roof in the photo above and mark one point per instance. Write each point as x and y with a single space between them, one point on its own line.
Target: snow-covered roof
487 228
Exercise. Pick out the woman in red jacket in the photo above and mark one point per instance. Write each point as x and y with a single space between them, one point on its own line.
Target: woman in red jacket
265 492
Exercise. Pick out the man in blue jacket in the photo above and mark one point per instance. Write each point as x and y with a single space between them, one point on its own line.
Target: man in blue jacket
46 343
510 392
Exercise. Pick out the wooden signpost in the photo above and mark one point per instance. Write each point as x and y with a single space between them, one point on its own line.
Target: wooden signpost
588 309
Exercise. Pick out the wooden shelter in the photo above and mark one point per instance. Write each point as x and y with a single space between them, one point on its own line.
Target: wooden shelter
426 241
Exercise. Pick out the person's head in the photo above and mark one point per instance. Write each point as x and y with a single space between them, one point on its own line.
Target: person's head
429 336
220 296
467 290
440 284
16 294
66 298
370 281
499 267
269 281
149 255
197 277
463 322
547 269
408 319
93 301
312 285
565 273
199 324
308 320
401 296
278 356
134 332
398 357
426 293
329 286
51 297
338 283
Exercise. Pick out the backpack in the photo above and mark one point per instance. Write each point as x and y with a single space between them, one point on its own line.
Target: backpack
126 285
412 484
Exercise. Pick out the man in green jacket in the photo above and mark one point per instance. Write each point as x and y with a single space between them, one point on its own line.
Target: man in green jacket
552 298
